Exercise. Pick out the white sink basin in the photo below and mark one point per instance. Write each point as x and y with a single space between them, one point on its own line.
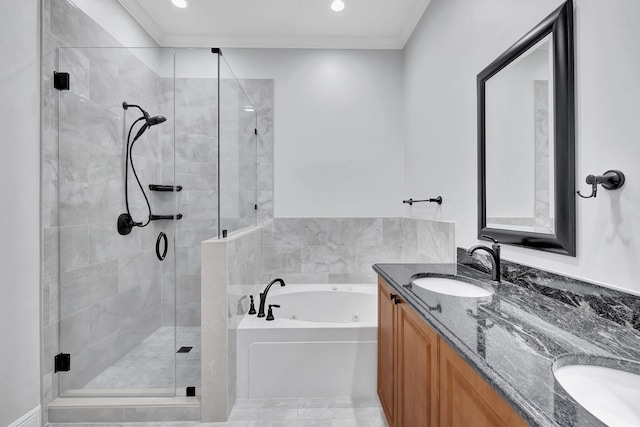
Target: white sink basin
458 288
611 395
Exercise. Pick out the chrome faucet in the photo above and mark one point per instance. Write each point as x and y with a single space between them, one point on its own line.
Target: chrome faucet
263 296
494 251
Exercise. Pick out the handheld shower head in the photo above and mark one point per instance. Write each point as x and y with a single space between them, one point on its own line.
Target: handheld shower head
125 221
151 121
155 120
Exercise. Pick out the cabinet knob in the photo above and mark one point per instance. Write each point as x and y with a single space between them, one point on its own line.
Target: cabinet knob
397 300
393 296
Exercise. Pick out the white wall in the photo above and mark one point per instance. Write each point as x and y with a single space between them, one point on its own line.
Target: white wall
111 16
19 216
338 129
454 41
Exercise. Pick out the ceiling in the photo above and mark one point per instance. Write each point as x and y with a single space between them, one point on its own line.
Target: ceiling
363 24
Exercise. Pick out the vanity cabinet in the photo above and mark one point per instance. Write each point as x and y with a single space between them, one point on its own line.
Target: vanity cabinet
386 351
466 399
422 381
407 363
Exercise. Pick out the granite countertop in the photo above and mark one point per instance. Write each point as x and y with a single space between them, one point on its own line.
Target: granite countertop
513 338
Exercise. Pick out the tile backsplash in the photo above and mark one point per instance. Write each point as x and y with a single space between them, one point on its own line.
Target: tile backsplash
619 307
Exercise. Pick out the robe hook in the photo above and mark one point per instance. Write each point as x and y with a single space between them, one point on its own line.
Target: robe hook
610 180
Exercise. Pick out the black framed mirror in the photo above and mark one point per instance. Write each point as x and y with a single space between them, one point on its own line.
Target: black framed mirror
526 140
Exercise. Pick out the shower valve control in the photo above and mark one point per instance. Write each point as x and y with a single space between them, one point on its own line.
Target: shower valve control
270 312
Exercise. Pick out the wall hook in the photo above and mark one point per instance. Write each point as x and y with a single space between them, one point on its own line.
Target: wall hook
610 180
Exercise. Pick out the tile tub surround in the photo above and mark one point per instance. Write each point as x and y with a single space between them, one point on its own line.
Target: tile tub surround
513 340
620 307
342 250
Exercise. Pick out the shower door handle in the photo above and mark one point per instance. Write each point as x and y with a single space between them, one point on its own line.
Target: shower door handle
162 237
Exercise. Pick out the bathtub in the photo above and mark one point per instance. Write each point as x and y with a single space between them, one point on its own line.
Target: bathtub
323 343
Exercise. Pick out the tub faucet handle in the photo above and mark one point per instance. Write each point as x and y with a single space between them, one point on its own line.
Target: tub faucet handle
252 307
270 313
263 295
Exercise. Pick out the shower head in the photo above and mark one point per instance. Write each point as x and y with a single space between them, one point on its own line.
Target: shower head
151 121
155 120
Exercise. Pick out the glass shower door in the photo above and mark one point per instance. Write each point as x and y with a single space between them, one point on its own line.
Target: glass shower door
238 154
116 222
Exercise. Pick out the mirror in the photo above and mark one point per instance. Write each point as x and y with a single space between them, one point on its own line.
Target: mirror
526 127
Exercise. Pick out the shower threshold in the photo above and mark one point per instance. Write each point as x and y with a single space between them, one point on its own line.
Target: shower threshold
123 409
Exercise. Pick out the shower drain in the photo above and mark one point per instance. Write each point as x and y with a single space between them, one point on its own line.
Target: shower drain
184 349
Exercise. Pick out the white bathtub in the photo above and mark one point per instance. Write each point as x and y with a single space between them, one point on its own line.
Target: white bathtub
323 343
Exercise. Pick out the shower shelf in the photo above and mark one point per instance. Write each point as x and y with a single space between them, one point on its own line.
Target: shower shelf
161 217
158 187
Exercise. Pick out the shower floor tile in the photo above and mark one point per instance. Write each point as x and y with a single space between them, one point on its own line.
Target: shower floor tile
150 365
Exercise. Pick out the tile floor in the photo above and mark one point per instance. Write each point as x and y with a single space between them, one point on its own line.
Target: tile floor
135 370
302 412
132 371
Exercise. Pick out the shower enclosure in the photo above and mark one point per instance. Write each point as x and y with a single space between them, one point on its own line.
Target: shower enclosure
156 152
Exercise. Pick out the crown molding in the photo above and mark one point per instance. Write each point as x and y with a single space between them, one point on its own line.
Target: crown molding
163 39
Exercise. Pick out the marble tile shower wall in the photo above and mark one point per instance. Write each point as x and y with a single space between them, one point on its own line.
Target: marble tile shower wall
109 285
94 305
196 169
342 250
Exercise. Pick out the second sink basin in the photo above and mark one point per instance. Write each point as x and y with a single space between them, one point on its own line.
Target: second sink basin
451 286
608 388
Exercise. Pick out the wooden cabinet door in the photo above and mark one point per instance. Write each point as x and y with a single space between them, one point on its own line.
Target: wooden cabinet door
386 350
466 399
417 371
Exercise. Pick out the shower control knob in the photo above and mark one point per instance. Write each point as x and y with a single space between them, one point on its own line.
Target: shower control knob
270 313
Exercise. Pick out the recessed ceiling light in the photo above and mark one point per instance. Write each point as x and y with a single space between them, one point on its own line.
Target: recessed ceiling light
179 3
337 5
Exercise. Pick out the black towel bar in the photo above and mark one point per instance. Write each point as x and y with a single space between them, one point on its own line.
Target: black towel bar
437 200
